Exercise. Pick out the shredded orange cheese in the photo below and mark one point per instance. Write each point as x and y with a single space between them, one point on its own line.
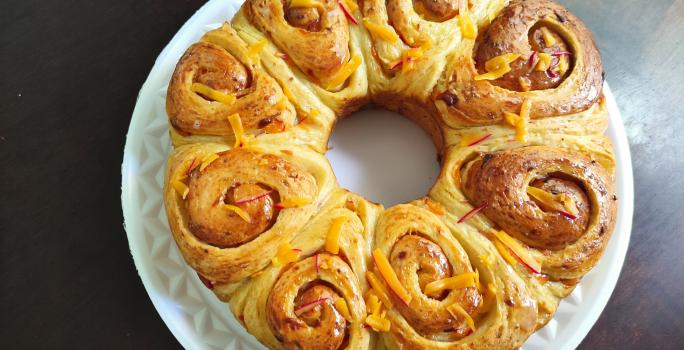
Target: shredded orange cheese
519 122
498 66
373 302
344 73
465 22
456 310
254 49
505 253
378 323
563 65
237 210
332 242
236 124
286 254
381 31
544 62
293 203
307 4
390 277
208 159
379 289
434 207
560 201
227 99
351 5
468 140
180 187
376 317
549 40
464 280
521 252
409 57
342 308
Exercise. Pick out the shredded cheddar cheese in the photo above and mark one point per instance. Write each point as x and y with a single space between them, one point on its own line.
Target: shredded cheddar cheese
390 277
457 311
378 323
519 122
373 303
498 66
181 188
237 210
286 254
380 31
344 73
544 62
465 22
563 65
435 288
236 124
342 308
559 202
307 4
379 289
351 5
218 96
332 242
549 40
293 203
521 252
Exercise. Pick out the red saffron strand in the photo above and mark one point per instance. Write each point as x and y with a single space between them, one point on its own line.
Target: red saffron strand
479 140
253 198
472 212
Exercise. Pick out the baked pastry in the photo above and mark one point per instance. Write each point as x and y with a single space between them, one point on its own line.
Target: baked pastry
524 206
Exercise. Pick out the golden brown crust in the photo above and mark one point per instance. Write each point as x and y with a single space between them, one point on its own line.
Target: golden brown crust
461 100
275 193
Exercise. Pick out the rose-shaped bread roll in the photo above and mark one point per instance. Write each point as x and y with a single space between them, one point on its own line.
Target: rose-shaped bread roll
225 204
443 295
533 50
216 78
314 300
316 45
552 196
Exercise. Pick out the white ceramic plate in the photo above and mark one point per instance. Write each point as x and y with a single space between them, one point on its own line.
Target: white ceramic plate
192 313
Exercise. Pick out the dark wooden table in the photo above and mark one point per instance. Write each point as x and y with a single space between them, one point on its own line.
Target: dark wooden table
70 72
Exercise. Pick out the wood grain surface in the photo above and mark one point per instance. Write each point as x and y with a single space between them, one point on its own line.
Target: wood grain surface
70 74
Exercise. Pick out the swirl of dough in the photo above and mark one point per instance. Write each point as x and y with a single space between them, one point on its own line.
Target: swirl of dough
314 36
424 253
533 50
316 302
554 200
216 78
224 203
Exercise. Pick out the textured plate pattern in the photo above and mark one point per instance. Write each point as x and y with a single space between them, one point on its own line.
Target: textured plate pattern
196 317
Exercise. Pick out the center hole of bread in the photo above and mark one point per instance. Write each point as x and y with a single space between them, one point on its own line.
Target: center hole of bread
383 156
